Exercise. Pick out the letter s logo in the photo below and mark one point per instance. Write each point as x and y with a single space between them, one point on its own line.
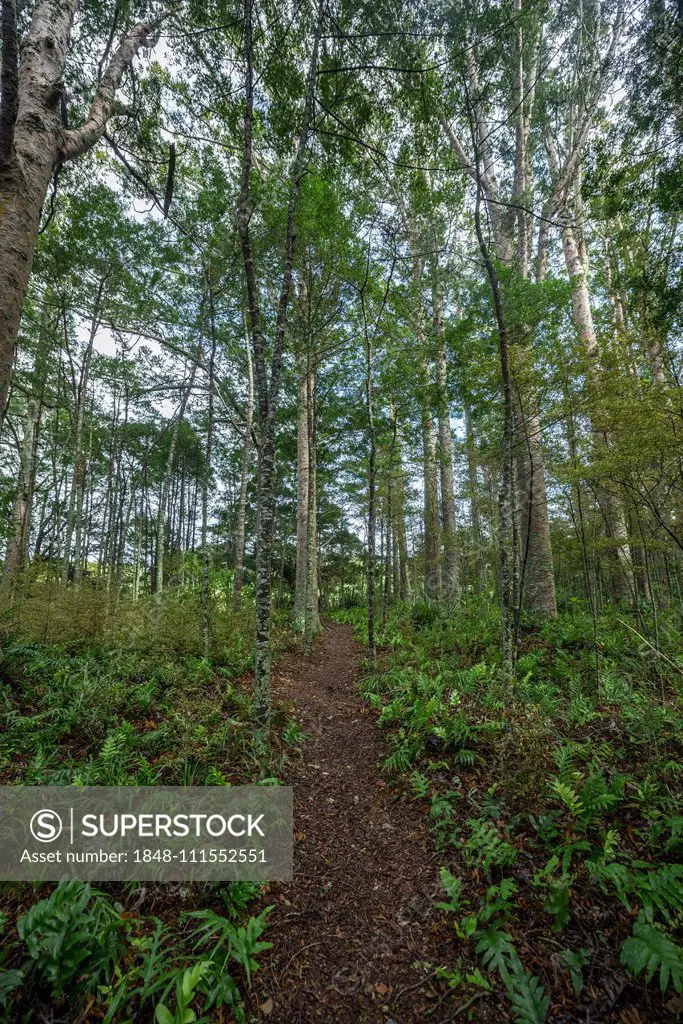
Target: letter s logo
46 826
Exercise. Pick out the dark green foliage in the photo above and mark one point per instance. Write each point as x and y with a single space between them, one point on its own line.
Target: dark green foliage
548 788
73 938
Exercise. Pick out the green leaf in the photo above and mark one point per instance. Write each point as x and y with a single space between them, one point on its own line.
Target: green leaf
453 887
163 1015
650 950
526 994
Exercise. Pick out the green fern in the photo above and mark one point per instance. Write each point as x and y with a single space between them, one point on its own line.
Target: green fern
495 948
567 795
453 887
467 757
662 890
567 761
526 993
650 950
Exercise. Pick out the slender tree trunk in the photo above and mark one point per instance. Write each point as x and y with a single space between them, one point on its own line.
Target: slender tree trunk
507 529
137 559
81 515
15 557
432 521
450 579
430 469
312 620
540 598
74 519
404 588
268 387
207 559
166 484
372 509
240 528
475 521
512 246
621 567
306 600
303 492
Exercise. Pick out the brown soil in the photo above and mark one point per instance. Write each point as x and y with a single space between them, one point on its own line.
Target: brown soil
356 934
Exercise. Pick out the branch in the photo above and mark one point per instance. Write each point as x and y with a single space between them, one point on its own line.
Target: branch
168 198
9 81
566 174
80 140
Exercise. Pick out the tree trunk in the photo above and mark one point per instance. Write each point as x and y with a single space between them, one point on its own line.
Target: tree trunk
372 508
240 528
621 566
507 528
166 484
36 141
306 585
17 543
536 550
268 388
475 522
432 522
207 558
398 492
303 490
75 514
312 620
450 579
25 176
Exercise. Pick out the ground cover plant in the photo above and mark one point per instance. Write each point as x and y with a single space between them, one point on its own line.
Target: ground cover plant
129 700
554 801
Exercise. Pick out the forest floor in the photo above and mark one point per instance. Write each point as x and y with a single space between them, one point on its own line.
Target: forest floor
357 936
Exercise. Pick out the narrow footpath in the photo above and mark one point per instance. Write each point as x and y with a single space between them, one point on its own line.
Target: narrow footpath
356 934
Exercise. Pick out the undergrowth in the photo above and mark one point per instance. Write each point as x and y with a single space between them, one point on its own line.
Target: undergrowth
97 693
555 802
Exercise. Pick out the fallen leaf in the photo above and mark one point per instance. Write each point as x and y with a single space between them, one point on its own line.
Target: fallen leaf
382 989
266 1008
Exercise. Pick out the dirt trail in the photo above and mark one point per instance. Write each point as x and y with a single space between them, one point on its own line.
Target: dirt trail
354 931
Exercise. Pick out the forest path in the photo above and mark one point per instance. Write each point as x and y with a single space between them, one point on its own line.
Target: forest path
354 929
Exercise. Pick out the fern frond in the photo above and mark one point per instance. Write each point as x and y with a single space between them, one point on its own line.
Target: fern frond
650 950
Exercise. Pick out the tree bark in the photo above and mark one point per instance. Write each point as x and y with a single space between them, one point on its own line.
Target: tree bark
450 578
17 543
311 619
240 528
207 556
166 483
37 143
621 566
432 521
475 522
75 513
268 386
303 489
512 246
306 585
398 504
372 501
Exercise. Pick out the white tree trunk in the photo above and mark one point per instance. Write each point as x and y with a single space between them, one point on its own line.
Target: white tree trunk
621 569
